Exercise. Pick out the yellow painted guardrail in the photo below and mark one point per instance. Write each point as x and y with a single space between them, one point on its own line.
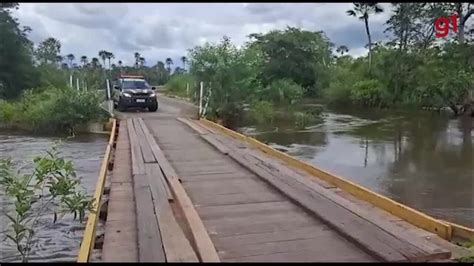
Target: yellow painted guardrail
88 239
443 229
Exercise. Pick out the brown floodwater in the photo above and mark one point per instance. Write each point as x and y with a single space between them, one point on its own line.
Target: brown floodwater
59 241
421 159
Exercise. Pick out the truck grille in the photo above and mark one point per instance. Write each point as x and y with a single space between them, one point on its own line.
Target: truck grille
140 95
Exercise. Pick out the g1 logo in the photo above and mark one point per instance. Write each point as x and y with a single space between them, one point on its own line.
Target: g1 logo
441 25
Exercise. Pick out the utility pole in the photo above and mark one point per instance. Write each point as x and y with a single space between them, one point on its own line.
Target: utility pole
201 84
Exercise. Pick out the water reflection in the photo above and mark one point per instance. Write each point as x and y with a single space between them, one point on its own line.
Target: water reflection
60 242
424 160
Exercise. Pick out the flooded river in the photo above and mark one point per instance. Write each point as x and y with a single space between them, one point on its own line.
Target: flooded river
61 241
424 160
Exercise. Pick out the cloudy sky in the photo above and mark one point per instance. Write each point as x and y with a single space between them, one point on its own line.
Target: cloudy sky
161 30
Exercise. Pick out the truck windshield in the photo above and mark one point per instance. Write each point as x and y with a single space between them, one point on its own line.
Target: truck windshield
134 84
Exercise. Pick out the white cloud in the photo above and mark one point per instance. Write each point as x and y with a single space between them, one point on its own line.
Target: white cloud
161 30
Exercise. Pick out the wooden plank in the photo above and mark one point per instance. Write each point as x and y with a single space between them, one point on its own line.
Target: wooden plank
244 210
201 199
411 215
330 248
194 126
431 251
157 180
229 186
150 247
305 232
246 226
166 167
304 256
206 249
204 245
138 166
144 147
371 238
210 177
175 244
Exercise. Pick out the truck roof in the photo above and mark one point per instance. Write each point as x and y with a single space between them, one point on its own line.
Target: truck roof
131 77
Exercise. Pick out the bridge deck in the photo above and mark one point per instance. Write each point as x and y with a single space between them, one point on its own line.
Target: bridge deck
182 191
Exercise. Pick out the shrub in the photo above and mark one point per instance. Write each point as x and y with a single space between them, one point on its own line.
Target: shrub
302 119
262 112
177 85
51 186
54 109
282 91
7 112
368 93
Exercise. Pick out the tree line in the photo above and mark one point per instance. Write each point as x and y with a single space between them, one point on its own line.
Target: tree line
412 69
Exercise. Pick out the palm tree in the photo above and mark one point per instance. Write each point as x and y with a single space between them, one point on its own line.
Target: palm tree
342 49
71 58
120 65
142 61
184 59
95 62
137 59
169 63
103 55
362 11
84 60
109 56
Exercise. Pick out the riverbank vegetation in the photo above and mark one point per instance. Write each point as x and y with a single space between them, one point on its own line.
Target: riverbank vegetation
412 69
36 90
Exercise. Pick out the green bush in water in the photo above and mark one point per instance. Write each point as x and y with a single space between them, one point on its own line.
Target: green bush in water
8 112
282 91
53 109
262 112
302 119
368 93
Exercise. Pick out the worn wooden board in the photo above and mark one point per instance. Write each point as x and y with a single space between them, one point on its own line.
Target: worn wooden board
149 238
200 199
166 167
430 250
311 245
175 244
138 166
144 147
370 237
157 181
120 239
204 245
305 232
244 210
197 128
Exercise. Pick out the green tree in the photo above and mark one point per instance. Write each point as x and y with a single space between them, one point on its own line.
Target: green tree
362 11
95 62
169 63
71 58
48 51
342 49
84 60
103 56
184 60
17 72
137 59
300 55
110 56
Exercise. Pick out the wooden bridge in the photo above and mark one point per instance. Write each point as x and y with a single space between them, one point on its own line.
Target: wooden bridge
185 190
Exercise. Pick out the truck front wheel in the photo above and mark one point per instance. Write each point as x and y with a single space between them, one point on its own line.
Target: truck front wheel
153 107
